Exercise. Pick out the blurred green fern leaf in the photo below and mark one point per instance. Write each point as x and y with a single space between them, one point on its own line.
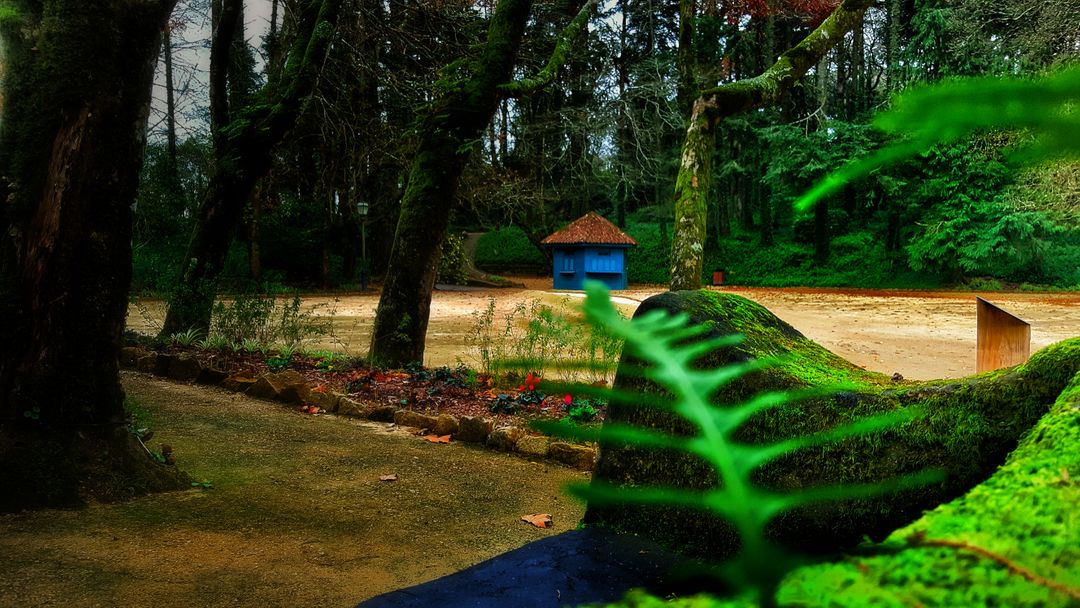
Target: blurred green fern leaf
1046 107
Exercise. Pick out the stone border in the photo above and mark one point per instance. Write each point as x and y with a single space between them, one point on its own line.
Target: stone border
291 387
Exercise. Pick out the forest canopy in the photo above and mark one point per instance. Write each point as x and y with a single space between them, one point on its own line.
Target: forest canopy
605 134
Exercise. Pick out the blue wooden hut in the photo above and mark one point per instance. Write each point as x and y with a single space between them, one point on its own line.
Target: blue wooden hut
589 248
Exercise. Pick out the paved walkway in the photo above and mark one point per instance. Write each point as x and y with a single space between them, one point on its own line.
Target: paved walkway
568 569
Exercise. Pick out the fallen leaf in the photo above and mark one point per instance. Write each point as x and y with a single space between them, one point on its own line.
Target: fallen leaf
390 477
438 438
540 520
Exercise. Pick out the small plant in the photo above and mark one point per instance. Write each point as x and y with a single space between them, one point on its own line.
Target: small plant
417 372
214 343
580 410
328 361
529 395
536 336
503 404
187 338
669 348
281 360
251 345
265 319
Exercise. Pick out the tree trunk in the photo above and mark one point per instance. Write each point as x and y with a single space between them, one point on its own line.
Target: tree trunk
452 127
687 89
727 100
691 201
78 95
454 122
242 155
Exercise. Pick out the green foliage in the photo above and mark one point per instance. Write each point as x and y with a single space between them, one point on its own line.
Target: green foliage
266 320
582 410
650 261
452 262
508 246
536 336
186 338
953 110
217 342
981 237
669 348
138 416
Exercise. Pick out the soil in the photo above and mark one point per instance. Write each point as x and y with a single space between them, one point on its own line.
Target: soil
295 515
922 335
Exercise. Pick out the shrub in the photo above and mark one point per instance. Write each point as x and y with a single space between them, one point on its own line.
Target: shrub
650 261
537 337
508 246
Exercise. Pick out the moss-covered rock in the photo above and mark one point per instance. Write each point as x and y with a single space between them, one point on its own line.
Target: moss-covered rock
1024 514
966 429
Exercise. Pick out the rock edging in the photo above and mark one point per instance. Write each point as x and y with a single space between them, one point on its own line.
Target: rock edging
291 387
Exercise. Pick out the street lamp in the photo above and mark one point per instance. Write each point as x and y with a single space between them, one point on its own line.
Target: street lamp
362 210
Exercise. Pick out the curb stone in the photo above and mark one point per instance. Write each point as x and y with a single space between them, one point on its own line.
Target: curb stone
291 387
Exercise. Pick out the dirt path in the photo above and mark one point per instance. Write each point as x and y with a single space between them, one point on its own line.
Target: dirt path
922 335
296 516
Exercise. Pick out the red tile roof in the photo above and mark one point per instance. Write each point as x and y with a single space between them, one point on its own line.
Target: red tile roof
589 229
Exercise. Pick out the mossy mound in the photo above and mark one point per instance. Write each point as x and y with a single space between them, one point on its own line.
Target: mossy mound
965 429
1024 514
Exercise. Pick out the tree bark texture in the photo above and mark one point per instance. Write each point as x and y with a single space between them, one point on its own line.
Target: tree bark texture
71 148
687 247
243 150
453 126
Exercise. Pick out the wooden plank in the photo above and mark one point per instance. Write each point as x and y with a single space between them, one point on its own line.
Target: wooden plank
1002 339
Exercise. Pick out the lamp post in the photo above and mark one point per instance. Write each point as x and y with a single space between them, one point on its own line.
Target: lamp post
362 210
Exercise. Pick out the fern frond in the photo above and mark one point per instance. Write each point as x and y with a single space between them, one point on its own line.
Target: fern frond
668 347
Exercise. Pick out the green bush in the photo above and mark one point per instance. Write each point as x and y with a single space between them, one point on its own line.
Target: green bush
650 261
507 246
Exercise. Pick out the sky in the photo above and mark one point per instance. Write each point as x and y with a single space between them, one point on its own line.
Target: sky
192 64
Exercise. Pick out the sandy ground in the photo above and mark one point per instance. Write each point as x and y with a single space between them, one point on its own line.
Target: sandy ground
296 516
921 335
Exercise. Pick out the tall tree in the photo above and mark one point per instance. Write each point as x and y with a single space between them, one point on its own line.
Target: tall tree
451 127
77 90
244 140
695 169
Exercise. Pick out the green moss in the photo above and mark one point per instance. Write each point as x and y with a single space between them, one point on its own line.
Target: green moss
964 428
1025 513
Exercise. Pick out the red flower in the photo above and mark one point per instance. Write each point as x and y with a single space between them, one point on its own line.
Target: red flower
568 400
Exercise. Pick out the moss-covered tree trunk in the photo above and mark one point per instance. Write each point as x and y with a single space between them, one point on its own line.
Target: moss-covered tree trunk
244 141
687 246
71 145
692 200
453 126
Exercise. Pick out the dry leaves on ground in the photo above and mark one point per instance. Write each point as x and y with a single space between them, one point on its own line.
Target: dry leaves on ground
540 520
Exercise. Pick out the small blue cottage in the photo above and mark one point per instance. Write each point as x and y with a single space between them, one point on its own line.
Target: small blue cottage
589 248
